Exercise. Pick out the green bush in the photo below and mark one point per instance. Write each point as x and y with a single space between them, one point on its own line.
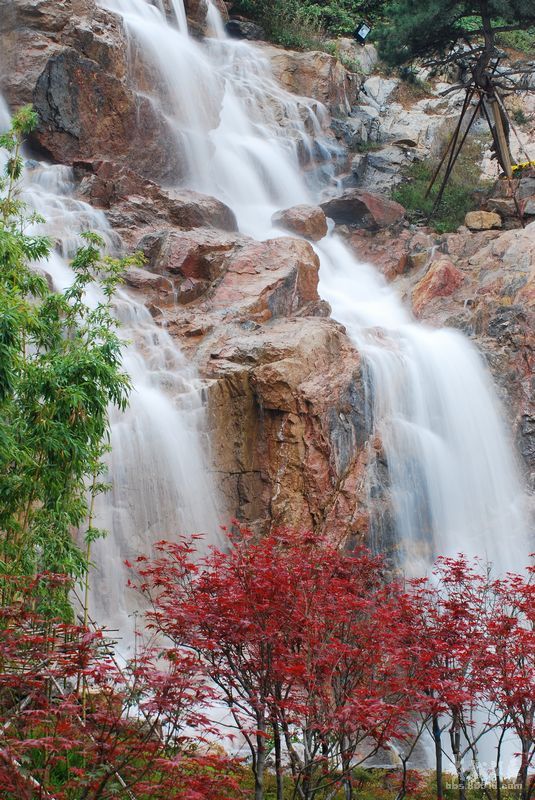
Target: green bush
460 195
523 41
302 23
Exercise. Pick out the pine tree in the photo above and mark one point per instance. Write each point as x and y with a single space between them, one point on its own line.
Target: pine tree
431 28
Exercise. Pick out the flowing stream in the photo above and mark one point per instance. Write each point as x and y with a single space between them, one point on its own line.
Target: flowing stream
158 469
452 473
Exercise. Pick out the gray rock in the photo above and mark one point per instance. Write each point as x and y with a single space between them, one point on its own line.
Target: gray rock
526 188
378 90
242 29
351 131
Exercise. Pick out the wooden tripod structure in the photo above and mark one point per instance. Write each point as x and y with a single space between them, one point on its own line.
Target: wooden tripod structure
490 103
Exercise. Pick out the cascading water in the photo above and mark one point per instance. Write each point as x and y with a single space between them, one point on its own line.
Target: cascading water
158 469
452 475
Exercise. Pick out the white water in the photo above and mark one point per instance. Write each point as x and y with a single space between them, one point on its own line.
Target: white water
158 468
453 478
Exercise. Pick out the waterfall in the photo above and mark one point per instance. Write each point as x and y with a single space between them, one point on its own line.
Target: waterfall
158 467
452 474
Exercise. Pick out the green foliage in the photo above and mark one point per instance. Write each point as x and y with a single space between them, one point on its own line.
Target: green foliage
519 117
60 368
303 23
459 196
522 40
419 28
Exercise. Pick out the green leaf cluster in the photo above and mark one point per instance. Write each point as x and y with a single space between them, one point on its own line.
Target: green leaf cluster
60 369
421 28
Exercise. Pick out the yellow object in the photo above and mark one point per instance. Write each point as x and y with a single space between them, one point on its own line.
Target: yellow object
523 165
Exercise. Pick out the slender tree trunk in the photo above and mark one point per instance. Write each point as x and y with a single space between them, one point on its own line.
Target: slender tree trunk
278 760
260 760
403 788
437 738
524 766
346 770
455 739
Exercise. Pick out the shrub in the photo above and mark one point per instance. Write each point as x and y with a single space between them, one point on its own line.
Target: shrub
459 196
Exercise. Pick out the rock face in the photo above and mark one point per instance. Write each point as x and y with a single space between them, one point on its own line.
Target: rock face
360 209
315 74
285 387
288 407
441 280
307 221
196 12
287 400
69 60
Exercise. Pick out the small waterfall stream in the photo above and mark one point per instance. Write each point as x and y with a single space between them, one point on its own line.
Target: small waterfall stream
452 474
158 469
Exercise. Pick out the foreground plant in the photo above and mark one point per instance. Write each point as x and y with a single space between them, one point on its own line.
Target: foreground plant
60 369
130 736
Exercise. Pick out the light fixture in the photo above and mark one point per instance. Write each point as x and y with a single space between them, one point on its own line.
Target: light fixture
362 32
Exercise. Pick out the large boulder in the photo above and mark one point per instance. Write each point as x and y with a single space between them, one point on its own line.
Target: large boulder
135 202
307 221
315 74
69 59
360 209
482 220
265 280
244 29
288 409
441 280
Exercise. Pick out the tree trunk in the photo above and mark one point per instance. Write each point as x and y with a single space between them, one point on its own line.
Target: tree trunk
278 761
455 739
481 76
260 760
437 734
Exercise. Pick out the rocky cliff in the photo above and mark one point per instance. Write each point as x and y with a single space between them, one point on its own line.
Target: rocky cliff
291 433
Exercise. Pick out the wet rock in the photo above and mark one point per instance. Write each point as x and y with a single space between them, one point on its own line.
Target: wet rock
441 280
482 220
307 221
70 60
361 209
243 29
196 12
526 443
288 407
315 74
